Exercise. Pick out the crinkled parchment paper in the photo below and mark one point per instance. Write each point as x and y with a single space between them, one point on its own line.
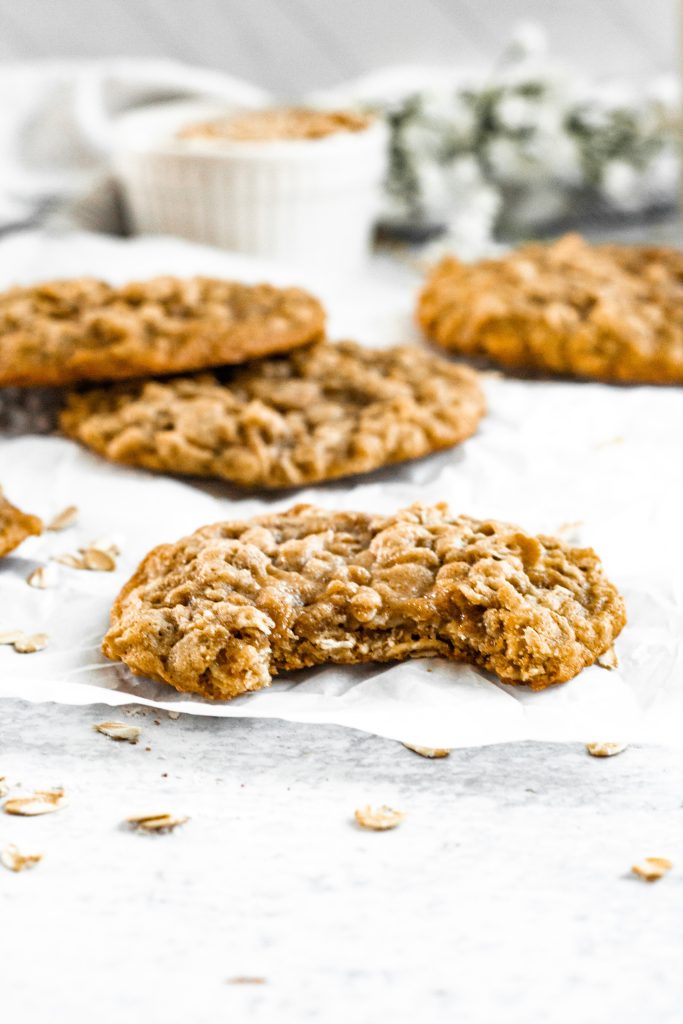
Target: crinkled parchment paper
605 460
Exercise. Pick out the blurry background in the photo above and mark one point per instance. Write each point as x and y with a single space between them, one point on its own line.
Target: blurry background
508 118
294 46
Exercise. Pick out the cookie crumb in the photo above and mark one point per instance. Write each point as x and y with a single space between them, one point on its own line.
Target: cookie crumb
609 659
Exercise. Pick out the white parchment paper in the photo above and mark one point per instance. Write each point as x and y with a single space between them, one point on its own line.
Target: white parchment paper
605 459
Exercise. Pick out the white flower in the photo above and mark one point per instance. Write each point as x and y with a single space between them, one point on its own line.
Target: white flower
659 182
559 156
420 139
508 161
434 191
621 184
465 172
449 107
516 112
471 222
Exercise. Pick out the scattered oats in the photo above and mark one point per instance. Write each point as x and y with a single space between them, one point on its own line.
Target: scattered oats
92 558
609 659
31 644
174 715
4 788
156 822
651 869
605 749
41 578
67 517
428 751
107 544
11 636
97 560
244 979
14 860
119 731
379 819
70 561
43 801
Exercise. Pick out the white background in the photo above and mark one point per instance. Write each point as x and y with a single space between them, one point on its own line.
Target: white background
292 46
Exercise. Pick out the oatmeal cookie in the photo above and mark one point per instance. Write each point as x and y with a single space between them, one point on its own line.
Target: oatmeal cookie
82 329
603 312
327 411
15 526
221 612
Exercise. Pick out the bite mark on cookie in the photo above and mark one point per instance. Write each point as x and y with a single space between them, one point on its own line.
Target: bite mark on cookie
223 611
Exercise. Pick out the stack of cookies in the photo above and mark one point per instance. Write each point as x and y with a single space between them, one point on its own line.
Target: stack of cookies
220 379
283 406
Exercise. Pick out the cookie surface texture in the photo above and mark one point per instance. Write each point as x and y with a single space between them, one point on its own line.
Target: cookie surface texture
221 612
327 411
63 332
602 312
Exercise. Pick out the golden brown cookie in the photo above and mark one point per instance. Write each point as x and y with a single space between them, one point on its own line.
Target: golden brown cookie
221 612
604 312
327 411
15 526
67 331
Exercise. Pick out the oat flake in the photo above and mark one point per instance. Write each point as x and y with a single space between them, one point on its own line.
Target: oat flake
378 819
605 749
14 860
156 822
67 517
119 731
651 869
432 752
43 801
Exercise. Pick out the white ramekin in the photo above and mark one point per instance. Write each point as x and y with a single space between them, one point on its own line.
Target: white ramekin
309 202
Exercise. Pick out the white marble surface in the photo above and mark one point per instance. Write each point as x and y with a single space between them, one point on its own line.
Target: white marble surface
505 894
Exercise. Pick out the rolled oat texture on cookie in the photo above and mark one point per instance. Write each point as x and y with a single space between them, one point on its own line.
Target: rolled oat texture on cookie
323 412
223 611
601 312
82 329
